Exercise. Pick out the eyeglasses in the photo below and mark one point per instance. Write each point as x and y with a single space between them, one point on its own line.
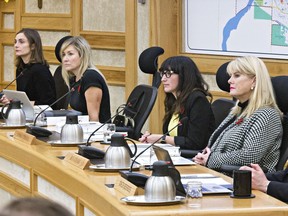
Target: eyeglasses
167 73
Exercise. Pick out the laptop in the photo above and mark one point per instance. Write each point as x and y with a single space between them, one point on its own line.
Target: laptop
27 106
163 154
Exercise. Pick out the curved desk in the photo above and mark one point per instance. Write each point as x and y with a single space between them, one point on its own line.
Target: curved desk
36 170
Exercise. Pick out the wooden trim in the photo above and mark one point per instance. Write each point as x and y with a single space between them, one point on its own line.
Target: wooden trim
131 46
163 34
105 40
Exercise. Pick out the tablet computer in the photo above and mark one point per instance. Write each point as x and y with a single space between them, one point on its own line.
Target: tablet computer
26 104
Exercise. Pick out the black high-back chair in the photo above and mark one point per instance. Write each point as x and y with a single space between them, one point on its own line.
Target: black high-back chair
280 86
60 85
142 99
138 107
220 107
148 63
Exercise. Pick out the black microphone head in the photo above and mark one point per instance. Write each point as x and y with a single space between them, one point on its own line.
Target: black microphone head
58 47
148 59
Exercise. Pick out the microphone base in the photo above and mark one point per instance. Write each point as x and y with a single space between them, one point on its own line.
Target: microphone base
137 179
38 131
90 152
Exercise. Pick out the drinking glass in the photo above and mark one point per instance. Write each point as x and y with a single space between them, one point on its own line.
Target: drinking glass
108 131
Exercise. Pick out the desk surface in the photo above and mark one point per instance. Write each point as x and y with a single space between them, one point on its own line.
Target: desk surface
88 188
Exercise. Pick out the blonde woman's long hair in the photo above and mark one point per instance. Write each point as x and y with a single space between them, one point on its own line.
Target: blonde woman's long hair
84 50
263 94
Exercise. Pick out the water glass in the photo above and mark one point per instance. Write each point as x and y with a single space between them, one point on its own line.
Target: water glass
194 189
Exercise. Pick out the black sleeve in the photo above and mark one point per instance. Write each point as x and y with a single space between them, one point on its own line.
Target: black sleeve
200 125
278 187
44 86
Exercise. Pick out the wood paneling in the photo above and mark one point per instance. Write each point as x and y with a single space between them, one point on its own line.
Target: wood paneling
105 40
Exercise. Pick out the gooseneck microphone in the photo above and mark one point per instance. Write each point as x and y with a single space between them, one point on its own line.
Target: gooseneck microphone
109 120
19 75
181 121
91 152
39 131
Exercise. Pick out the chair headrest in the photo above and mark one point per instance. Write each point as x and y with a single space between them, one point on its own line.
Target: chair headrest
148 59
280 85
222 77
58 47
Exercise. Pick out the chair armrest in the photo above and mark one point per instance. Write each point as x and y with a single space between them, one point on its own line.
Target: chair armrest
188 153
124 129
229 168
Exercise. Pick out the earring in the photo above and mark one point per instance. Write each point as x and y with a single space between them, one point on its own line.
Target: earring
252 88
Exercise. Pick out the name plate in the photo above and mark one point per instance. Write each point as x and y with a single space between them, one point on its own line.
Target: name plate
25 137
127 188
77 160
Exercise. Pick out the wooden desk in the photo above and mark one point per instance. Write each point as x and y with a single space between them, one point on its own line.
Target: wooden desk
33 170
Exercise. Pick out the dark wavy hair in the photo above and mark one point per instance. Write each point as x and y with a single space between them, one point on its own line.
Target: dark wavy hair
190 79
37 55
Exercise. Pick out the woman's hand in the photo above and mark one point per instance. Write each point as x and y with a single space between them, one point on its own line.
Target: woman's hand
143 138
4 100
201 158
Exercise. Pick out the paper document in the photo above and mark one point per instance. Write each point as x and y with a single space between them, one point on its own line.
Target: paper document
210 184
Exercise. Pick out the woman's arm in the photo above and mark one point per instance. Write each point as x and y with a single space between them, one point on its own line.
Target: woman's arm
257 143
93 97
196 131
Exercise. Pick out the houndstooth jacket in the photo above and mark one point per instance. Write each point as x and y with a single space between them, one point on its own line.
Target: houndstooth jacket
255 139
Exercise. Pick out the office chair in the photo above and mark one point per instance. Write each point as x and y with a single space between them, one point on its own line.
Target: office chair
60 85
138 107
220 107
148 63
280 88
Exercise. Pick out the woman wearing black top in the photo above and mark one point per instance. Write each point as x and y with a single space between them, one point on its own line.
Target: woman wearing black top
34 76
186 95
91 96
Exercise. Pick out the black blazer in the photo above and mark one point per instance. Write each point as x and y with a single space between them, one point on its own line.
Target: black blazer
195 133
278 186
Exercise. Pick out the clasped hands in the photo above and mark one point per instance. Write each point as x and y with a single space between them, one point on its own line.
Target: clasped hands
202 157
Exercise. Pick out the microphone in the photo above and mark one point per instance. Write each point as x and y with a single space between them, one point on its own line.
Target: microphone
109 120
138 178
19 75
39 131
91 152
181 121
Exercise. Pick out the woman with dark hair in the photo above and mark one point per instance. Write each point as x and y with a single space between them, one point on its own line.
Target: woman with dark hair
186 95
34 76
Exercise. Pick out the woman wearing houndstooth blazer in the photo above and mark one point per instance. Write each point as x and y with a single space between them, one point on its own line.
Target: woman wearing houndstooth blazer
252 132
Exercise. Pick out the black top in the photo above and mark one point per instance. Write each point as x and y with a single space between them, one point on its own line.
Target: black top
91 78
38 83
194 133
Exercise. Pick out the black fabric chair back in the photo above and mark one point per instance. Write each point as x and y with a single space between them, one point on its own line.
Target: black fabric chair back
139 105
61 89
221 108
280 85
148 63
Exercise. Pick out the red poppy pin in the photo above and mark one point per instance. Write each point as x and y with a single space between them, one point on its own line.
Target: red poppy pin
239 121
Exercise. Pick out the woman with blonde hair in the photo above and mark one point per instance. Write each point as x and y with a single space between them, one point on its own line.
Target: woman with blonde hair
252 132
91 95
